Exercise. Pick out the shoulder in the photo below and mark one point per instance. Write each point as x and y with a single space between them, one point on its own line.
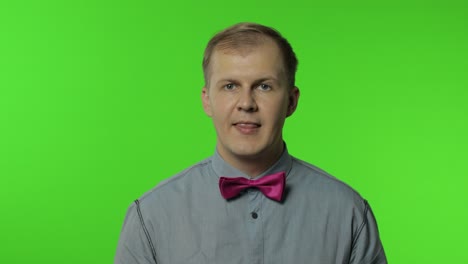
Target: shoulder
319 184
179 183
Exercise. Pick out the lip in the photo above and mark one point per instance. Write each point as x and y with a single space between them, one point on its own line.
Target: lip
247 127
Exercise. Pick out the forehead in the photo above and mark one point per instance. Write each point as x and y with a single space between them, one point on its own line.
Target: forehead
264 58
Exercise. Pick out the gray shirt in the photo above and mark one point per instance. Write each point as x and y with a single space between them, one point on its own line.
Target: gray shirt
186 220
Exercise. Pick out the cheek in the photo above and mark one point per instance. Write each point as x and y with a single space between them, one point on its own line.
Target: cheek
220 112
278 113
280 107
222 104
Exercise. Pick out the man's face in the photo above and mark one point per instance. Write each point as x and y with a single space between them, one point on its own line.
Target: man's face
248 100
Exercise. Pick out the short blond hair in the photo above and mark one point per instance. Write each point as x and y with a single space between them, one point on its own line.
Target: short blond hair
251 34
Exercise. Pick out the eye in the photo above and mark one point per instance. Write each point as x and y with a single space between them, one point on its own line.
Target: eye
229 86
264 87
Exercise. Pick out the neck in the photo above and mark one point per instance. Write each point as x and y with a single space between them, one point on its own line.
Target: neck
254 165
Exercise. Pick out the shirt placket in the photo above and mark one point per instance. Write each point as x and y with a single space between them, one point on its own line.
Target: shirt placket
255 226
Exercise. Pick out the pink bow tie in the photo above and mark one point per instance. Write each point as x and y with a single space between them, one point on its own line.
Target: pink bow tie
271 186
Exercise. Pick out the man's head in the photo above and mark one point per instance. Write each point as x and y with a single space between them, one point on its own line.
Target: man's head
244 36
248 94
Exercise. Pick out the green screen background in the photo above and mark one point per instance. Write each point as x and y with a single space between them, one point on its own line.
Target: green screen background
100 100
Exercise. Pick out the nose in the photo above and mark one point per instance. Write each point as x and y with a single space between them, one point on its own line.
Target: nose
247 101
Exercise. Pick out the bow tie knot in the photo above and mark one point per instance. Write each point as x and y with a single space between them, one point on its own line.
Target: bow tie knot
272 186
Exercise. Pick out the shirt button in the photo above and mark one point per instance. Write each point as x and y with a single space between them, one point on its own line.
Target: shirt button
254 215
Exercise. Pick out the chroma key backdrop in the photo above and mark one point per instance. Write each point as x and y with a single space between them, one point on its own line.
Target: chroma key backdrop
100 101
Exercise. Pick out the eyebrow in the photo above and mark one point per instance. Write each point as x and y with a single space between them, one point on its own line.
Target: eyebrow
231 80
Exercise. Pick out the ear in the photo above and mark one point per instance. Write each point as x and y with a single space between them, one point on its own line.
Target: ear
293 100
206 101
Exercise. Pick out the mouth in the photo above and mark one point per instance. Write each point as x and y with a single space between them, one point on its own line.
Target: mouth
246 127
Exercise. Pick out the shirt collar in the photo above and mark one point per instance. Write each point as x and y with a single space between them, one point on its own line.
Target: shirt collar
222 168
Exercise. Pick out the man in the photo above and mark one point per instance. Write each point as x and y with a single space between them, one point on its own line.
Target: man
251 202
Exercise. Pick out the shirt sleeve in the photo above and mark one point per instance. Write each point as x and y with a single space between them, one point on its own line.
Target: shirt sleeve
134 246
367 247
